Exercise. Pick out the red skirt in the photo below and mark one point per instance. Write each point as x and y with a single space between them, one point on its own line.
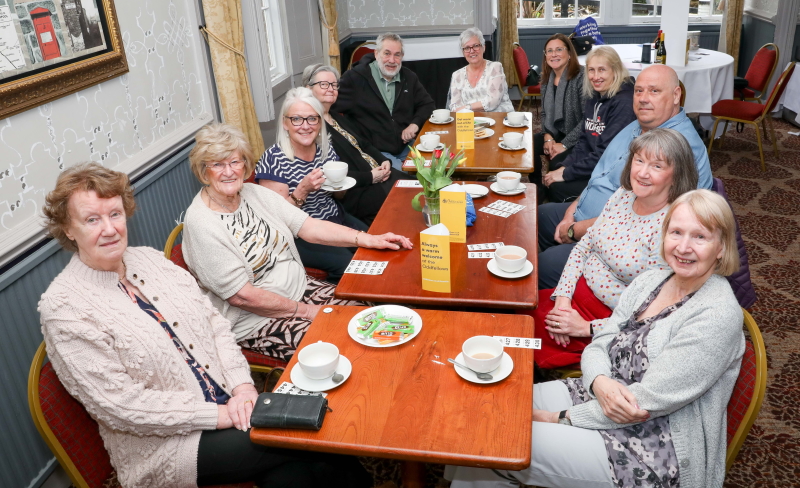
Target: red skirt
588 306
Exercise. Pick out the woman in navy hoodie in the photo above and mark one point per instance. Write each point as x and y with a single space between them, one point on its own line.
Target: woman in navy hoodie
608 111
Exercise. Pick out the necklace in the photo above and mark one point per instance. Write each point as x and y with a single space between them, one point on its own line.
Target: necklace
218 203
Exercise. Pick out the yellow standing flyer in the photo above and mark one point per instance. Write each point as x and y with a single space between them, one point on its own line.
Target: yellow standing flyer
434 247
465 130
453 209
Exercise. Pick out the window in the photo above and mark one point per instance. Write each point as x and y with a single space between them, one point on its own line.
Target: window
645 11
273 21
554 12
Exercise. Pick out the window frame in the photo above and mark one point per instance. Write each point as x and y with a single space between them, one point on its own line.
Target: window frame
656 19
549 20
273 18
610 15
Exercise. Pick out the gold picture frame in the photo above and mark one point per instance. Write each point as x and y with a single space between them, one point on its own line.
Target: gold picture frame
50 80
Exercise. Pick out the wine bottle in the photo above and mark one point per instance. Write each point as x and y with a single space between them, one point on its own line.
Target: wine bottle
661 53
658 40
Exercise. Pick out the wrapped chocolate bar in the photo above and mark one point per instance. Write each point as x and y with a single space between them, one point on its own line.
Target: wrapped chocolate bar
398 319
404 328
387 336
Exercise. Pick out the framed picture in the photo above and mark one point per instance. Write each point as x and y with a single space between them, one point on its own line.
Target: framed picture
51 48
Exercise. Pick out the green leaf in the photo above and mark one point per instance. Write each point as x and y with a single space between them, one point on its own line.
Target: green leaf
415 202
441 182
426 174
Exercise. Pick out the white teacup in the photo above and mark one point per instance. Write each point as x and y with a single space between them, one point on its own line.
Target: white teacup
318 361
508 180
510 258
441 114
516 118
512 140
334 171
482 353
429 141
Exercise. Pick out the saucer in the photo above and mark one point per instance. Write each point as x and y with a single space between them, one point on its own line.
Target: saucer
502 145
447 121
509 124
345 185
305 383
485 120
495 270
496 188
476 191
499 374
487 134
439 147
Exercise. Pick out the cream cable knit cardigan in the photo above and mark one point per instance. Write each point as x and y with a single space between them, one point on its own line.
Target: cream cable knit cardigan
118 362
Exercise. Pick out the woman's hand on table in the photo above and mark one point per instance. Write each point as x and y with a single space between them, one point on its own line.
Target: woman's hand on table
381 173
618 403
311 183
554 176
384 241
241 404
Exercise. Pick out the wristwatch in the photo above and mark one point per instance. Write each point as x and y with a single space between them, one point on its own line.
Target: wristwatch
571 232
297 201
562 418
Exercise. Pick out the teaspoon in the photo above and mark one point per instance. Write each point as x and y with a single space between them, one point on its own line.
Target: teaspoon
481 376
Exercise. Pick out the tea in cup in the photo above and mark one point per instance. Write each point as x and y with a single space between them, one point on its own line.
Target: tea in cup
482 353
429 141
318 361
510 258
513 140
441 115
334 171
508 180
515 118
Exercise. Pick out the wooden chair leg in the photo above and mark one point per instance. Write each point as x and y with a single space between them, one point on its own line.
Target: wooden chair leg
772 131
760 149
711 137
521 101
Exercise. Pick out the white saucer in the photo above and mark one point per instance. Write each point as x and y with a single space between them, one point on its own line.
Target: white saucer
439 147
489 133
485 120
502 145
496 188
499 374
509 124
476 191
345 185
449 119
304 383
495 270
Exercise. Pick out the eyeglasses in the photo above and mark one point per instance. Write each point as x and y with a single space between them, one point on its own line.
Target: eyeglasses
476 47
326 84
235 165
558 50
297 121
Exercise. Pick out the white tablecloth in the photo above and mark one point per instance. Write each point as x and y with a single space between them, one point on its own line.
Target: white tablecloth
791 95
708 77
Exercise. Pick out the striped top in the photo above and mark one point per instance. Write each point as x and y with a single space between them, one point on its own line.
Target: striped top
275 166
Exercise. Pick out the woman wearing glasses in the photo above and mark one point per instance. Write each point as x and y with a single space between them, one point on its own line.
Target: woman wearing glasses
373 173
239 242
480 85
562 104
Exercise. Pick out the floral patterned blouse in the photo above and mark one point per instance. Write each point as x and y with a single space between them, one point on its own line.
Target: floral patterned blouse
491 89
641 454
211 390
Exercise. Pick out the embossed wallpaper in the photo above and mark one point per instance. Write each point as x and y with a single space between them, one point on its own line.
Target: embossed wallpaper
364 14
124 123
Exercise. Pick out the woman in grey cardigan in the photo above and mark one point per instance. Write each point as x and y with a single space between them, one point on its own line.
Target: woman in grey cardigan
562 104
650 409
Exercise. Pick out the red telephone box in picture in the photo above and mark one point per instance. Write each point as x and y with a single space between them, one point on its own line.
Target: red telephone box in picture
43 24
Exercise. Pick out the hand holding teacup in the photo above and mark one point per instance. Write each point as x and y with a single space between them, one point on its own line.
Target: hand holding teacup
311 183
335 172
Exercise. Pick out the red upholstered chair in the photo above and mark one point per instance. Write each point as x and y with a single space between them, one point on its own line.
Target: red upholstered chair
362 50
67 428
521 66
759 73
750 113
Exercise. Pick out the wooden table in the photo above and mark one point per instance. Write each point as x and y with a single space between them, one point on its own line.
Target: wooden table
408 403
487 157
472 285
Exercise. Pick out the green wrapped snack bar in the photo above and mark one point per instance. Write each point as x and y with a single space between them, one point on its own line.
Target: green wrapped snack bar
377 314
404 328
375 325
398 319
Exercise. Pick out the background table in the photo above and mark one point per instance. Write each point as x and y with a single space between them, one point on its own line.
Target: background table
406 402
472 285
487 157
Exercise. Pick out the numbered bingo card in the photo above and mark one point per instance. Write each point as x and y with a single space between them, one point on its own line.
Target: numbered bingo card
507 207
523 342
289 389
366 267
408 184
484 247
494 211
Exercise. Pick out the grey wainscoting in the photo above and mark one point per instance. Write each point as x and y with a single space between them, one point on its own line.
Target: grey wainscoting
161 195
755 33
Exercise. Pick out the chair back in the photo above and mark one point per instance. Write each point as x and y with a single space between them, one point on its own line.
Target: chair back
762 67
777 91
683 93
521 66
740 281
362 50
748 392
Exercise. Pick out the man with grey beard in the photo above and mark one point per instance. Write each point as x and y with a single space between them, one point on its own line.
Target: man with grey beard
386 102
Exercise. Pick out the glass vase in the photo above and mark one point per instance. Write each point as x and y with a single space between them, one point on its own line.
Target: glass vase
431 211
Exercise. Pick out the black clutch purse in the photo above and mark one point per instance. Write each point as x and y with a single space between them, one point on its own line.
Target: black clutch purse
279 410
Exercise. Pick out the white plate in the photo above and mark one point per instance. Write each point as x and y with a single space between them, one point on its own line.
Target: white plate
345 185
489 133
496 188
495 270
499 374
449 119
502 145
508 124
303 382
420 148
476 191
485 120
390 310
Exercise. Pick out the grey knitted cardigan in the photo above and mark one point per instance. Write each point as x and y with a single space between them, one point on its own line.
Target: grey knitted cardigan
694 355
574 101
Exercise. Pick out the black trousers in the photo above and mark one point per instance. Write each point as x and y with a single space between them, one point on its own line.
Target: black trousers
565 191
538 152
228 456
